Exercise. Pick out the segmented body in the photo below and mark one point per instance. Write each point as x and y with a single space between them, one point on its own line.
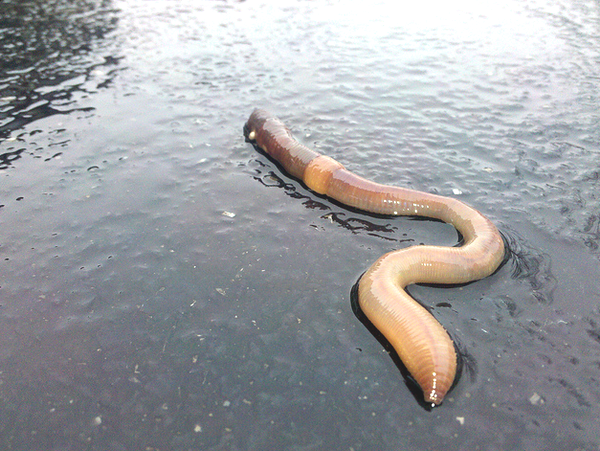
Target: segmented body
421 342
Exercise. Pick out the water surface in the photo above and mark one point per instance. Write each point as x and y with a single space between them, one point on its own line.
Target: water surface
165 286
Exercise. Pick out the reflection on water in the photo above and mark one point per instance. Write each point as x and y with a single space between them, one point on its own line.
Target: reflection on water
379 226
49 61
165 286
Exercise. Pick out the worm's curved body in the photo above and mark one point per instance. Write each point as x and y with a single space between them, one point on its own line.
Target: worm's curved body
419 339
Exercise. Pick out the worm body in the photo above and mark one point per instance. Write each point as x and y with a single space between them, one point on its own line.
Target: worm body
421 342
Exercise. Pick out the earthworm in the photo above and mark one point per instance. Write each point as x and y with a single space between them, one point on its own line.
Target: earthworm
422 343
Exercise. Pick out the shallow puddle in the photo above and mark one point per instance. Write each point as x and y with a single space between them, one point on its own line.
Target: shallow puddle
165 286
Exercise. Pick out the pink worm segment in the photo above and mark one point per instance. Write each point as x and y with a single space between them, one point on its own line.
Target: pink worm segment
419 339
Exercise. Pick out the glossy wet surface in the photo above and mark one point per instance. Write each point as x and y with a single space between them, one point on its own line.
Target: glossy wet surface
164 286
